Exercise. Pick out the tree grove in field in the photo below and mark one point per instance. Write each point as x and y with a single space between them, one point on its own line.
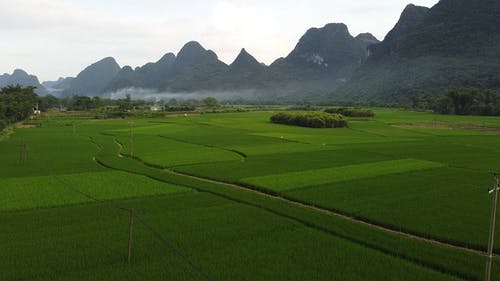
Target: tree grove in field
310 119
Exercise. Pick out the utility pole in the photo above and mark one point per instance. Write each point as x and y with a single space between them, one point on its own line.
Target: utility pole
131 224
131 139
23 154
494 191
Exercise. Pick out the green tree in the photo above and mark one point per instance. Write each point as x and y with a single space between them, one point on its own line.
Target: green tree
126 104
210 102
16 104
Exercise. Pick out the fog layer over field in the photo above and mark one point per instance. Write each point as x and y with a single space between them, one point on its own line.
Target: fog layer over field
154 95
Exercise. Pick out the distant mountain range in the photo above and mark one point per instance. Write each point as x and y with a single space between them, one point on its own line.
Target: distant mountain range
20 77
456 43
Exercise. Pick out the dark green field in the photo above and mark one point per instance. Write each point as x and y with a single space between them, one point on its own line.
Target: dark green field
402 196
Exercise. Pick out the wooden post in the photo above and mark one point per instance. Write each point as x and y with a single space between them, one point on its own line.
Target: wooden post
131 224
487 276
22 154
25 153
131 140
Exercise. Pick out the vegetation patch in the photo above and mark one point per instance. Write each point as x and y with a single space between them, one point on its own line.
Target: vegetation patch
310 119
438 125
307 178
470 102
49 191
351 111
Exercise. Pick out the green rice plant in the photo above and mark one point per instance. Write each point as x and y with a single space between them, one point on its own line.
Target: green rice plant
56 190
294 180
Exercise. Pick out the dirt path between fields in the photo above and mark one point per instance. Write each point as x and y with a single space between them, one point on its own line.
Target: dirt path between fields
337 214
322 210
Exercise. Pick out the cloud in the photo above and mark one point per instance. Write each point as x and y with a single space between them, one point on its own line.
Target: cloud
55 38
242 25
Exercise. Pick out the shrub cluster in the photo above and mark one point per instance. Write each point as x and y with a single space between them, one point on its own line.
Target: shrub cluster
310 119
350 111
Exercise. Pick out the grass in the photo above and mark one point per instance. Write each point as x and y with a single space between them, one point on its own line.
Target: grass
51 191
426 180
296 180
274 248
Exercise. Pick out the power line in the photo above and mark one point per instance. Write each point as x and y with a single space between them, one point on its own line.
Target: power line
151 229
169 245
494 191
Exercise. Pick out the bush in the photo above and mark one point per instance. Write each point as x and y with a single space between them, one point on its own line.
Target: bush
310 119
350 111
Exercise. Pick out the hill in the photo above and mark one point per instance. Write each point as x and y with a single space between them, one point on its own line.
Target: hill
22 78
453 44
94 79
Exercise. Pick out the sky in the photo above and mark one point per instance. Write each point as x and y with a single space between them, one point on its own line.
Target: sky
59 38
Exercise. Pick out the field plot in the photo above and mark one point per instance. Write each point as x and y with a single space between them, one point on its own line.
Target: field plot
307 178
50 191
466 156
190 183
221 236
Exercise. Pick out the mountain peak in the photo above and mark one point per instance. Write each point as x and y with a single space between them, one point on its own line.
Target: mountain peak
410 18
127 68
367 39
107 60
19 72
244 56
94 78
167 58
336 27
191 49
22 78
412 11
331 47
244 52
245 62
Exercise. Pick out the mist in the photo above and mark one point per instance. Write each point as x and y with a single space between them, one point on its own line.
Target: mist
156 96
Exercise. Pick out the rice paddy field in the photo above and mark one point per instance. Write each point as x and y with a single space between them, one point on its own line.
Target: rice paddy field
401 196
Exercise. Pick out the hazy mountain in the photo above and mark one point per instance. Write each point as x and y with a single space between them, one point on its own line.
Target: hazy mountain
93 80
410 18
21 77
367 39
125 78
457 28
52 84
456 43
195 68
149 76
330 49
57 87
152 75
246 64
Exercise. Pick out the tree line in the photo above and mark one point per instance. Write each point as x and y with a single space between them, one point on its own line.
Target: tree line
16 104
351 111
469 102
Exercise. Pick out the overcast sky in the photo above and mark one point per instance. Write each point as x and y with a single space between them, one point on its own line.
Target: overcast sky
53 38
